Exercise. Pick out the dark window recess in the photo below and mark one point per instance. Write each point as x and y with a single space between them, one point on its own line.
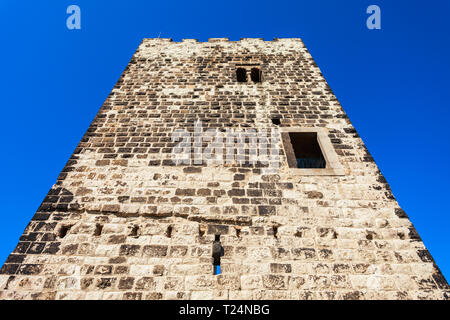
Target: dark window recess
275 231
217 252
169 231
276 121
241 75
303 150
255 75
64 230
98 230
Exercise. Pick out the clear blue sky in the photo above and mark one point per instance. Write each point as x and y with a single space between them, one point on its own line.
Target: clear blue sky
393 83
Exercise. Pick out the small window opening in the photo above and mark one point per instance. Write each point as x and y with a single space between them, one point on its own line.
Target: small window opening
307 150
64 230
241 75
238 232
169 231
255 75
217 252
275 232
98 229
276 121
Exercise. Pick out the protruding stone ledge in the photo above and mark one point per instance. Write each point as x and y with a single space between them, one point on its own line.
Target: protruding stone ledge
218 39
251 39
287 39
189 40
157 40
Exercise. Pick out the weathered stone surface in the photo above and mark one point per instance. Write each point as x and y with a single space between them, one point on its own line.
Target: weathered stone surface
125 222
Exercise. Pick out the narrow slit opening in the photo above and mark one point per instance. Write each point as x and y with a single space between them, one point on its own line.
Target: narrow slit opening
217 252
275 232
98 229
217 270
169 231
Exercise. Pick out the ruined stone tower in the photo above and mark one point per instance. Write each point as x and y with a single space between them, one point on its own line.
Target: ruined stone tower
124 221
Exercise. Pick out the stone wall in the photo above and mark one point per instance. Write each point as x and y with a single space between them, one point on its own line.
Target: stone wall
124 222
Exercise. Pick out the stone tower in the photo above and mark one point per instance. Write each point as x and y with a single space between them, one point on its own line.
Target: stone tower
125 221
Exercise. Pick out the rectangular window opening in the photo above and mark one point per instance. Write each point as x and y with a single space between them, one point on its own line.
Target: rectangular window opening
241 75
248 73
276 121
307 150
255 75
